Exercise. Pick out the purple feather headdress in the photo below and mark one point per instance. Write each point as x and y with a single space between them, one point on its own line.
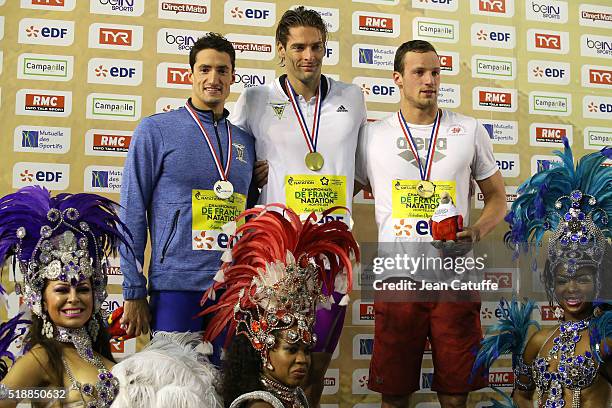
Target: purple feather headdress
65 237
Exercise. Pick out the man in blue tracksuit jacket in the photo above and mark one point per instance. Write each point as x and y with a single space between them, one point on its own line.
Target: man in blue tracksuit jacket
186 175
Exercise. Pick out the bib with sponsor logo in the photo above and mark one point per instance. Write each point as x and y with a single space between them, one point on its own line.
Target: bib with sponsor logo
209 214
407 204
306 193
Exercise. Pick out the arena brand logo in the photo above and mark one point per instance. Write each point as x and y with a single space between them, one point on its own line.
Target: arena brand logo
498 8
442 5
107 142
331 381
45 67
117 7
449 62
546 103
113 107
185 10
595 46
330 16
256 47
501 131
596 138
115 37
173 75
360 381
548 72
53 176
41 139
103 179
594 76
252 13
58 5
494 99
597 107
376 24
494 67
595 16
378 89
46 32
38 102
549 11
250 77
549 134
555 42
449 96
508 163
430 29
490 35
363 346
169 104
373 56
114 71
176 41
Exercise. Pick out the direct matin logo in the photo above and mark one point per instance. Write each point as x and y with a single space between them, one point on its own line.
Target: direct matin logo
99 179
366 55
29 138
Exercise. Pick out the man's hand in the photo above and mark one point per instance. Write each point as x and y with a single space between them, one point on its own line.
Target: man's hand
260 173
136 317
464 244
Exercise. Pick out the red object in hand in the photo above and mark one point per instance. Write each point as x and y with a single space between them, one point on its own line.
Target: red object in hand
114 326
447 229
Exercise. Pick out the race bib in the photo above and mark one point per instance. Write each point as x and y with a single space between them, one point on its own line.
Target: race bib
305 193
408 207
209 214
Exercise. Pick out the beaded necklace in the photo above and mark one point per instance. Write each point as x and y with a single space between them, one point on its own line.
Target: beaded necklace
573 372
105 390
288 395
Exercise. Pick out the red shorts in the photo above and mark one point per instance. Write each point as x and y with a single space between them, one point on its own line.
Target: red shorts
401 332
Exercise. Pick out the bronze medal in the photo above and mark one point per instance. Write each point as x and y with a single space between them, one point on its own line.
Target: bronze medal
426 189
314 161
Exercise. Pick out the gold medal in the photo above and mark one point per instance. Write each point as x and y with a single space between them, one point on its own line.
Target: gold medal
314 161
426 189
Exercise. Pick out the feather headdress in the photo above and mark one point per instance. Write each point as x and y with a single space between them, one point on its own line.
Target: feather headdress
65 237
274 278
574 203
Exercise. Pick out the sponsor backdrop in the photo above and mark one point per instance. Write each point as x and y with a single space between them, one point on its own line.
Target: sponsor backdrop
73 86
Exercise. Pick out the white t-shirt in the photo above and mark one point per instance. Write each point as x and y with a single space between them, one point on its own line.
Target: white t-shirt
266 112
463 152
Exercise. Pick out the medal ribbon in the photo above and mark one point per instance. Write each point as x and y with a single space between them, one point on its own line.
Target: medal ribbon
311 138
425 171
223 172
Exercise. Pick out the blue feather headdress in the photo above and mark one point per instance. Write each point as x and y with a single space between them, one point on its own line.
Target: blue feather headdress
65 237
575 203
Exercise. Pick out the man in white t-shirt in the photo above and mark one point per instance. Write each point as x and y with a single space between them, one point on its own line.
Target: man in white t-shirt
409 159
306 127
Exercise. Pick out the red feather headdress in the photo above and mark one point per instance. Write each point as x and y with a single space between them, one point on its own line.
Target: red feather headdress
274 278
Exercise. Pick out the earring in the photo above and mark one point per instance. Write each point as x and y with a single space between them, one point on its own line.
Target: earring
47 327
269 366
93 327
559 313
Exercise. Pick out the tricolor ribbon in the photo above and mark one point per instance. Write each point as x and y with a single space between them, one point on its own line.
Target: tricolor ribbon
223 171
310 137
425 171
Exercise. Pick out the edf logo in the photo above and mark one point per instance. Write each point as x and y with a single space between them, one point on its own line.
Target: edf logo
505 165
122 72
48 176
383 90
251 13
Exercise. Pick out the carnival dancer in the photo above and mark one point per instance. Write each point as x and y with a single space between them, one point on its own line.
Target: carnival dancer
273 286
569 364
187 174
427 152
306 126
60 244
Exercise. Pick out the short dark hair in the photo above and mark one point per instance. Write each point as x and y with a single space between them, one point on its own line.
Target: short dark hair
419 46
213 41
299 17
